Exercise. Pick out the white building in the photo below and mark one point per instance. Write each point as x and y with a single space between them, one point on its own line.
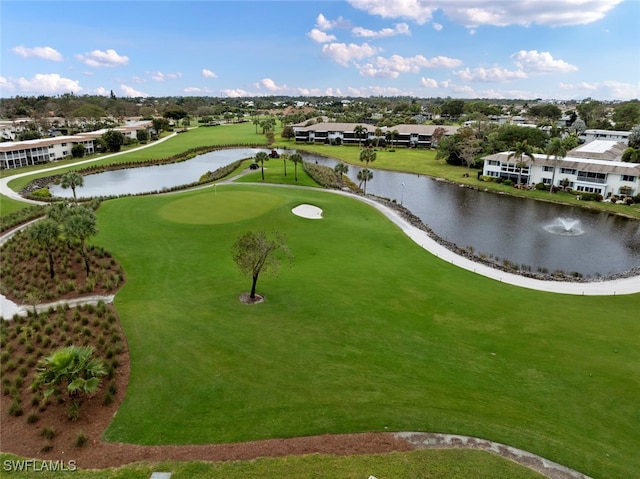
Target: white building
593 168
15 154
612 135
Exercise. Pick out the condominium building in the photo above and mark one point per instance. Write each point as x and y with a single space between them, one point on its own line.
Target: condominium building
594 167
15 154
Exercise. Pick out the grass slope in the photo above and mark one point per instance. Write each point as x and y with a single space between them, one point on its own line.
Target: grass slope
366 332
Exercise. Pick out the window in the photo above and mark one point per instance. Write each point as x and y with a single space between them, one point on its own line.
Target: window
568 171
547 168
546 181
589 189
493 163
629 178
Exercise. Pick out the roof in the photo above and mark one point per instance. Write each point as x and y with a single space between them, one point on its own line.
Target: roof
599 150
39 143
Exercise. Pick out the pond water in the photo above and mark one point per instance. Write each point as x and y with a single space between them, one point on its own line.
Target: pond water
542 236
154 178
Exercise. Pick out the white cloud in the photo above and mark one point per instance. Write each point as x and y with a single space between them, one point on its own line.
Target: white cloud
399 29
473 13
324 24
199 91
160 77
102 91
429 82
606 90
235 93
132 92
494 74
416 10
48 84
319 36
342 53
437 26
98 58
270 85
540 62
46 53
6 85
208 73
392 66
331 92
368 91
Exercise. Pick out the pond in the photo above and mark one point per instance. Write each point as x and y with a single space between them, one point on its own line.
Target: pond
541 236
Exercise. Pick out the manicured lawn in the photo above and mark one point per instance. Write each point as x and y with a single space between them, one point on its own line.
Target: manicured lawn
365 332
434 464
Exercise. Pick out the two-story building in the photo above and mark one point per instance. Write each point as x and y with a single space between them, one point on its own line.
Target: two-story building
15 154
594 167
347 133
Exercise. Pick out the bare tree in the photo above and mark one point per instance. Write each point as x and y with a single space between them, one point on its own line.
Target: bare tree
253 253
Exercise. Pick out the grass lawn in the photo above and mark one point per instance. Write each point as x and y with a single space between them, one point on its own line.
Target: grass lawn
367 332
433 464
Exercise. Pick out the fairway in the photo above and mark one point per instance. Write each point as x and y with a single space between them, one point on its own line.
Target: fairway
366 332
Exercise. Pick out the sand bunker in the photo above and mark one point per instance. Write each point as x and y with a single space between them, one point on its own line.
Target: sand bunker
308 211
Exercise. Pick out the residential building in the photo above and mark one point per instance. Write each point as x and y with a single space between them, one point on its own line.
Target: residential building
15 154
591 135
594 167
345 133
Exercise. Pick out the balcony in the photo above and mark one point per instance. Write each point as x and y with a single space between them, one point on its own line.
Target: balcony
596 178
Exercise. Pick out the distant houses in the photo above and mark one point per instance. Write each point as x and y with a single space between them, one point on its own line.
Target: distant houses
594 167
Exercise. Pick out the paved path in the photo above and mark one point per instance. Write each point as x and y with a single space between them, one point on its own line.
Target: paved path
429 440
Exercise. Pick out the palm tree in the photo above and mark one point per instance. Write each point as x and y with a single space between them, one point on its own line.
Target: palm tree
72 180
341 169
521 151
557 149
367 155
46 234
285 157
388 138
365 175
81 225
378 133
359 132
296 158
73 369
261 157
394 137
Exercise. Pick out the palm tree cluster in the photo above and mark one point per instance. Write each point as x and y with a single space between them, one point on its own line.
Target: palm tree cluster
73 224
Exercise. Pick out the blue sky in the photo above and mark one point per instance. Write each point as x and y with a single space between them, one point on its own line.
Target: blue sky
550 49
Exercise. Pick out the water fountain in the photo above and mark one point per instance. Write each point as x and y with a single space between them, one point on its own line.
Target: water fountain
565 227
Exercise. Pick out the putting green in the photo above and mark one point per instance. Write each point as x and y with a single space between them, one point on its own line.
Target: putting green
217 207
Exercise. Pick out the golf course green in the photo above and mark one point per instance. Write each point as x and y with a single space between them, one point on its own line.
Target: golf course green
365 332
